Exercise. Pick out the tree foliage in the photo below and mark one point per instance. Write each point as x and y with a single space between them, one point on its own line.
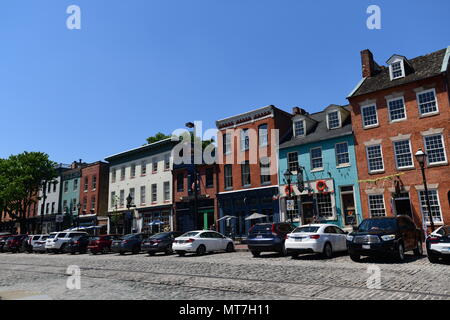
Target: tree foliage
157 137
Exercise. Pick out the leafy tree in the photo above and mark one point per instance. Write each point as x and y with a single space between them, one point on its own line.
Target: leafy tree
21 178
157 137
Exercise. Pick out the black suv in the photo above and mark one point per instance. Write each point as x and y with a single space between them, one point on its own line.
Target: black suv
268 237
385 235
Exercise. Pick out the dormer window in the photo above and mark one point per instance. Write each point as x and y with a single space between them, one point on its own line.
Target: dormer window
299 128
397 66
333 120
397 70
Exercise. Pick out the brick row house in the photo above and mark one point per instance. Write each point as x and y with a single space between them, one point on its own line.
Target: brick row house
396 110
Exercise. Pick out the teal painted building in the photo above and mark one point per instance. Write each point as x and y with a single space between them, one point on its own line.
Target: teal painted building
70 194
321 147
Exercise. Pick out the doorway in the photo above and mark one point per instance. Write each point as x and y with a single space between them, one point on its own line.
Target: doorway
402 205
348 206
307 209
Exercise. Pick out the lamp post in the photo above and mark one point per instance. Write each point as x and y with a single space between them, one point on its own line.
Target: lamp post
78 215
129 204
44 197
191 125
288 178
421 157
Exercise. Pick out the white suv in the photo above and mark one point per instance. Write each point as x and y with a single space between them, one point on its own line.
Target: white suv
58 240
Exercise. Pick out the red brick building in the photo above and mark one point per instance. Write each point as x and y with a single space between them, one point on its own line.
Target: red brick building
247 166
94 194
396 110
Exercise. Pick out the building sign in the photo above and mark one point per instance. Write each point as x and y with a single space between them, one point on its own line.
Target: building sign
59 218
290 205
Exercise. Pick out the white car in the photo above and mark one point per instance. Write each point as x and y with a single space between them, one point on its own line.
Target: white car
316 238
202 241
56 241
438 244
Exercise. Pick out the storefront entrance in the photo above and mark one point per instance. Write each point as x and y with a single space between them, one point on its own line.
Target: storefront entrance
307 209
348 206
402 205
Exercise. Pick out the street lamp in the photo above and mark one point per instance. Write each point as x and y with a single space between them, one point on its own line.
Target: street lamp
288 178
421 157
191 125
129 204
78 215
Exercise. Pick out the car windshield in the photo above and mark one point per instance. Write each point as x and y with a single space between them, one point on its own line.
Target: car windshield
61 235
261 227
129 236
378 225
161 235
190 234
305 230
52 236
44 238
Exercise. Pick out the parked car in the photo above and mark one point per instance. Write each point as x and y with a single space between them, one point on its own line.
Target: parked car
316 238
202 241
39 245
15 243
160 242
3 238
32 239
102 243
385 235
268 237
57 242
129 243
78 244
438 244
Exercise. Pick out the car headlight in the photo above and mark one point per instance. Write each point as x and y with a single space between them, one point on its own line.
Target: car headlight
388 237
350 237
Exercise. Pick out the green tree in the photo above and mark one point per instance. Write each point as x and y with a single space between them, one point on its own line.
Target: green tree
21 178
157 137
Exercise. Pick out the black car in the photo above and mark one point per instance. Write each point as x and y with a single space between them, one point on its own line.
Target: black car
268 237
3 238
129 243
438 244
79 244
385 236
160 242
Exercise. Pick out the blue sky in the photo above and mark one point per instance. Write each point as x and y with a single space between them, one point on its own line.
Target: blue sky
137 67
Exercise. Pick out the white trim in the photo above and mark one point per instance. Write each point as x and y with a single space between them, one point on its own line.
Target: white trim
400 137
439 204
402 67
446 60
311 159
376 115
382 159
410 151
372 142
389 109
421 187
443 147
435 99
432 131
384 204
357 87
339 118
304 127
346 164
374 191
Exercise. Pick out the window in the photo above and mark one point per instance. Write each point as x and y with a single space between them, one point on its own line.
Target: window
143 168
265 170
122 173
293 161
132 195
113 175
142 195
427 102
66 186
154 165
396 109
154 193
245 173
86 183
228 176
262 134
227 143
369 116
324 205
93 203
316 158
133 171
75 184
434 146
122 198
94 182
84 203
74 204
166 191
53 207
167 162
342 155
396 70
299 128
245 143
113 199
374 158
333 120
65 208
434 205
376 205
180 182
403 155
209 173
47 208
49 187
54 186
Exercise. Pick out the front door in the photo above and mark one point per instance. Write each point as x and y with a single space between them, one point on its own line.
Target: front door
307 212
402 205
348 206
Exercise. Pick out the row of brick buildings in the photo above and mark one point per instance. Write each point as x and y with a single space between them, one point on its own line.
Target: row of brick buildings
355 161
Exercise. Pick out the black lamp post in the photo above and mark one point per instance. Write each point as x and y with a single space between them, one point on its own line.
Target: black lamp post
421 157
78 215
44 197
129 204
191 125
288 178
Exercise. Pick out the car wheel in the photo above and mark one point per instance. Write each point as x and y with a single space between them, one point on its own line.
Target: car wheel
355 257
61 250
283 252
230 247
400 254
256 253
135 250
294 255
169 250
151 253
327 251
201 250
432 258
105 250
181 253
419 250
122 253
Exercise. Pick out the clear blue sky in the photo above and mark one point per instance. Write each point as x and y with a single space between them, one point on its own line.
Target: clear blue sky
142 66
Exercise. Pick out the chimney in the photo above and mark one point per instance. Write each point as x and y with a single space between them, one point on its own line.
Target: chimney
297 110
368 64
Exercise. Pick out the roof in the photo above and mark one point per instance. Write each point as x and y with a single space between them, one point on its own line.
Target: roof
320 131
423 67
142 149
249 115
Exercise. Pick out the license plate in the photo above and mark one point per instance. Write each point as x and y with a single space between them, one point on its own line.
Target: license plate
298 239
366 246
259 236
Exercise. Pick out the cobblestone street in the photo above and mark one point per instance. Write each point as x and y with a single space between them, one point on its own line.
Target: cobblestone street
219 276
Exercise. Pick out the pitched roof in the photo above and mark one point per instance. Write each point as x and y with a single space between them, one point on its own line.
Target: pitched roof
142 149
423 67
320 131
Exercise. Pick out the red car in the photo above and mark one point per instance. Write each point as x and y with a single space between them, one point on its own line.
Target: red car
102 243
3 238
16 243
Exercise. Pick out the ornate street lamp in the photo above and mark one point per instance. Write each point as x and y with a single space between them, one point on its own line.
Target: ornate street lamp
421 158
288 178
78 216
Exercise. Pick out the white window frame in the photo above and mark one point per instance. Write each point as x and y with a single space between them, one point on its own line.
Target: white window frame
243 138
227 143
311 159
339 119
303 121
384 204
368 162
435 99
132 170
336 154
443 146
288 162
266 135
402 67
154 165
395 155
166 193
142 198
155 200
439 203
143 167
376 115
167 162
404 108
